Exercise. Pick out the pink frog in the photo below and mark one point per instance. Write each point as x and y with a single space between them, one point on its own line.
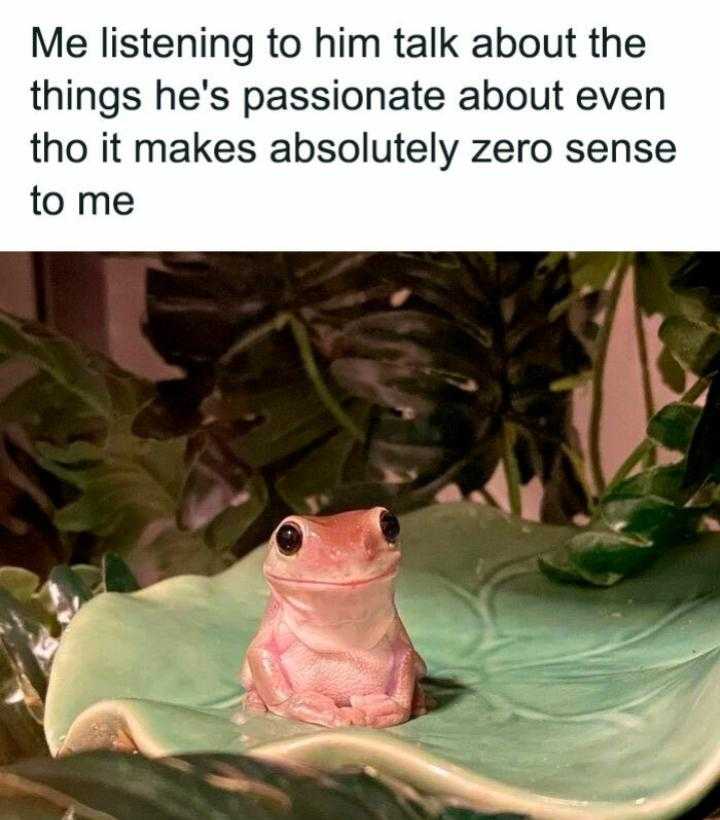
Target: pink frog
331 648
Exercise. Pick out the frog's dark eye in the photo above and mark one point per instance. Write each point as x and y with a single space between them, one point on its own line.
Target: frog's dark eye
390 526
289 539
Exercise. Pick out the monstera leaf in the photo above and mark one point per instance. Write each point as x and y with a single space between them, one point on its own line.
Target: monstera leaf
373 378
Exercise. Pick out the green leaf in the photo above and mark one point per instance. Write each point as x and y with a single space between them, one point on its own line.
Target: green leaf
695 346
664 482
629 535
288 419
129 499
672 373
222 786
116 574
19 582
89 574
307 487
655 521
446 344
673 426
591 271
704 450
571 382
599 558
653 272
61 359
226 529
699 278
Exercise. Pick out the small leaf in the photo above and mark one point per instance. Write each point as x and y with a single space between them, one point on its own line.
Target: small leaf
653 272
116 574
672 373
599 558
673 425
19 582
655 521
591 271
700 278
571 382
89 574
704 450
629 536
695 346
664 482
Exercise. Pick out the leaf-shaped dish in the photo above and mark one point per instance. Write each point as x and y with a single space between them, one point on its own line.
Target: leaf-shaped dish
557 701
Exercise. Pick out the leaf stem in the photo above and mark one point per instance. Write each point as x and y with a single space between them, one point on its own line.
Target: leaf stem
253 336
510 466
302 339
488 497
645 446
644 367
603 342
578 463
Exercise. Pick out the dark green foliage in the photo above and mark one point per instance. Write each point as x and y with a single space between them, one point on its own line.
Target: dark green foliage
202 786
659 507
360 379
32 617
700 278
116 575
69 432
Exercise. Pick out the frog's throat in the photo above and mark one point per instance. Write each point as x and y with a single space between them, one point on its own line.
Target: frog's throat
337 617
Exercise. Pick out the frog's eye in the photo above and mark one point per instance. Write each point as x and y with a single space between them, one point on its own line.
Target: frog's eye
289 539
390 526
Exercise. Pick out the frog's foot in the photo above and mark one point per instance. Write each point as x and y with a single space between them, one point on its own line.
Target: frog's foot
314 707
380 710
254 703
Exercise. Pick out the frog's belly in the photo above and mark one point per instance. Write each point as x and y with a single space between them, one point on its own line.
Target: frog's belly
339 674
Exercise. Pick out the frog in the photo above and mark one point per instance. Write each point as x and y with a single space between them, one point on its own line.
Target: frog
331 648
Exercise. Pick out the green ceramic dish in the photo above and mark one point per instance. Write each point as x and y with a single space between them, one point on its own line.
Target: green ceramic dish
554 700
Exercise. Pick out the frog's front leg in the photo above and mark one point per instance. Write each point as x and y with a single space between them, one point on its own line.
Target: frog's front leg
272 691
404 696
269 687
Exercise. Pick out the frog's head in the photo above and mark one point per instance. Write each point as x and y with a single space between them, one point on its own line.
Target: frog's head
348 550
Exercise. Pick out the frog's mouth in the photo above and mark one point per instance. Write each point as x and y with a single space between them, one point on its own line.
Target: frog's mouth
286 579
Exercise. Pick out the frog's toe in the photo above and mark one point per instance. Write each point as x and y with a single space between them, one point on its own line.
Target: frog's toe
350 716
380 710
254 703
311 707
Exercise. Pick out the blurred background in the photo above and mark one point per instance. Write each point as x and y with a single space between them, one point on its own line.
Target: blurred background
317 382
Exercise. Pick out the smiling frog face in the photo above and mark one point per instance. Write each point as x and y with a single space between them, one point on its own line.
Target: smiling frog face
346 550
